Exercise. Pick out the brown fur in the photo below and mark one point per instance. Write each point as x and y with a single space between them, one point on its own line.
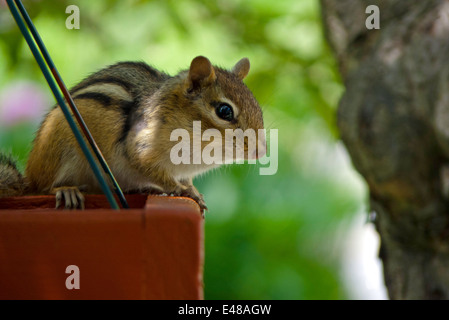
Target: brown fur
136 142
11 182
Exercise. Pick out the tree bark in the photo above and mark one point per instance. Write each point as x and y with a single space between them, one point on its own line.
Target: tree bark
394 121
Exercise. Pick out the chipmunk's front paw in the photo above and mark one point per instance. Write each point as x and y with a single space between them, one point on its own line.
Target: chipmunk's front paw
189 192
73 198
198 197
202 204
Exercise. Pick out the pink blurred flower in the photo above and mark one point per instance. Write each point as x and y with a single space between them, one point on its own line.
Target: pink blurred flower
22 102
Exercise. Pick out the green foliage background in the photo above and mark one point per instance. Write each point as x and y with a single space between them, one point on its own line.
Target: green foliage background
267 237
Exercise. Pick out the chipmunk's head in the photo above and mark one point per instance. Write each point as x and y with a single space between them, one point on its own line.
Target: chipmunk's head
222 102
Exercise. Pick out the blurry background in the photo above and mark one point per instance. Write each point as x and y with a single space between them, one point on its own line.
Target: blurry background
299 234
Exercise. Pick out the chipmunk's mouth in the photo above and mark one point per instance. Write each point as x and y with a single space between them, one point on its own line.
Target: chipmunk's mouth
249 149
248 153
261 147
259 153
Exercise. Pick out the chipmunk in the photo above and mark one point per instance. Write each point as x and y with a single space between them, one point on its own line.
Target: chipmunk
131 110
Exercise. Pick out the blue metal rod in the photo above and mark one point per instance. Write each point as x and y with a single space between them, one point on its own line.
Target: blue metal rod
53 86
71 103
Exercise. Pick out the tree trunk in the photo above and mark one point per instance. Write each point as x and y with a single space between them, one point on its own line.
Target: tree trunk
394 121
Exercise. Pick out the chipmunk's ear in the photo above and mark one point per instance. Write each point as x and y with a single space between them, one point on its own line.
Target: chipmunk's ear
241 68
201 73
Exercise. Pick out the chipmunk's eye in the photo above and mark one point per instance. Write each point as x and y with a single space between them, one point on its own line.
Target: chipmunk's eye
225 112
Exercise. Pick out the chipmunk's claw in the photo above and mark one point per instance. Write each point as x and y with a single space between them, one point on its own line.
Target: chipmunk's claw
198 197
189 192
73 198
202 204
